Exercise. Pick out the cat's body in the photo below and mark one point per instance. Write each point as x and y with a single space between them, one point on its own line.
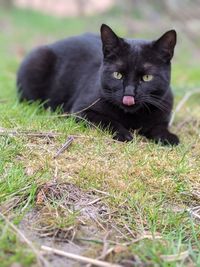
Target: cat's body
76 72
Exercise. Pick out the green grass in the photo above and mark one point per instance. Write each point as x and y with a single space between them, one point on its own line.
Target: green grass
150 186
11 249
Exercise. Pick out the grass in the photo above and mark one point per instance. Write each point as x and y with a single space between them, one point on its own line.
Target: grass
150 188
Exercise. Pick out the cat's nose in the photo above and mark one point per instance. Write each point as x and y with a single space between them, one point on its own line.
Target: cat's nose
129 90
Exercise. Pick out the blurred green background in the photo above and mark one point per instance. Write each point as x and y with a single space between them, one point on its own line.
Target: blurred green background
29 23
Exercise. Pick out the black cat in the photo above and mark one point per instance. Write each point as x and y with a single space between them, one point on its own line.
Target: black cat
131 79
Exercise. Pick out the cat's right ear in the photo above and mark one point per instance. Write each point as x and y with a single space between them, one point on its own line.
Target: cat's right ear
109 40
166 44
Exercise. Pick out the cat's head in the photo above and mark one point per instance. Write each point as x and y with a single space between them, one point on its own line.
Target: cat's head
135 73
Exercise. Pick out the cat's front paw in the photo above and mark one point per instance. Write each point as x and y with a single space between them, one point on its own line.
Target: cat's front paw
123 136
169 139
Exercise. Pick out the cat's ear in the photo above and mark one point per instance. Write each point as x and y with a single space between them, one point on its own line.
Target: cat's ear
165 44
109 39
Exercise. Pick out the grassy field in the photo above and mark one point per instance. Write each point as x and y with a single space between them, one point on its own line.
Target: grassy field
139 199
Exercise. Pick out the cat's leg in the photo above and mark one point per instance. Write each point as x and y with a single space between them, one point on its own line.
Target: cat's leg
119 131
160 133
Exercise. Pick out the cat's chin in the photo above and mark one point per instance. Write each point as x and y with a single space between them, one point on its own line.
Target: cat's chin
127 109
130 109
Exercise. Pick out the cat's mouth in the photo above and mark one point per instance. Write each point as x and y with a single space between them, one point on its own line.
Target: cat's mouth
128 100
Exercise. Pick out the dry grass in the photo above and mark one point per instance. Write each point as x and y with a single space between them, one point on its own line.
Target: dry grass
136 180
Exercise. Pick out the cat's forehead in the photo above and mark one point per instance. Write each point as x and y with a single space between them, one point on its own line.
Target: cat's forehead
137 45
136 56
148 65
141 54
143 63
140 49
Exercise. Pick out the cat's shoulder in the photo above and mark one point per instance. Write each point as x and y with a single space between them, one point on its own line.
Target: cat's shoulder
83 40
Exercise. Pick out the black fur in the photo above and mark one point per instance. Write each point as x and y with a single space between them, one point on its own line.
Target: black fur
77 71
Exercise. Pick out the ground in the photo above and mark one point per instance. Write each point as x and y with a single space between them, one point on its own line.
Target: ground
134 204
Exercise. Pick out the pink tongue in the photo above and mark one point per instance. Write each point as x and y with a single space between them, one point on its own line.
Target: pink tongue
128 100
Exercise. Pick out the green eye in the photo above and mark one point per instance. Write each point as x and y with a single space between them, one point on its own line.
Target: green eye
117 75
147 78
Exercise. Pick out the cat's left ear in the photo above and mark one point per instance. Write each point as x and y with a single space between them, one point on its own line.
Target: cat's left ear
166 44
110 40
